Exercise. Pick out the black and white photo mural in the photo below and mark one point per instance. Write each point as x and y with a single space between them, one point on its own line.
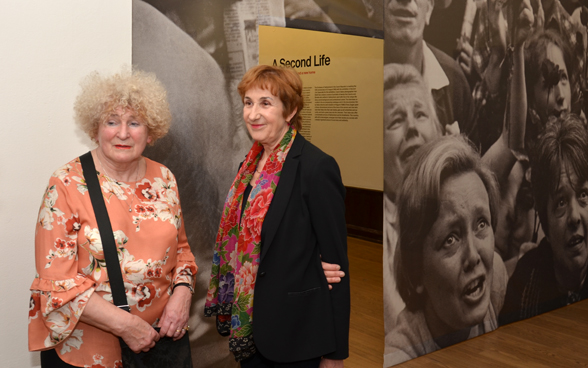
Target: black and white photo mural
485 167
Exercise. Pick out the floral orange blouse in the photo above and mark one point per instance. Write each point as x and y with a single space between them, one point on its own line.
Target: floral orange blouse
152 248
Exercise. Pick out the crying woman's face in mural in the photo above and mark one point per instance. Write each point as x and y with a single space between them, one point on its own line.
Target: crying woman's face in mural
458 257
408 124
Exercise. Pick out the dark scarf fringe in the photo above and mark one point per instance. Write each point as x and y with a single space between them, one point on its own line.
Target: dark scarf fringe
218 309
242 347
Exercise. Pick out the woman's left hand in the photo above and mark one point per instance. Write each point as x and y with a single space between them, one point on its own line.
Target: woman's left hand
175 315
331 363
333 273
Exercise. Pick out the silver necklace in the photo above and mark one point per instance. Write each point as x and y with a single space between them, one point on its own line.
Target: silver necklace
108 176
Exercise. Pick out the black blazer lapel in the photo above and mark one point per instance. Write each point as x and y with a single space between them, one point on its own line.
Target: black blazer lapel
282 195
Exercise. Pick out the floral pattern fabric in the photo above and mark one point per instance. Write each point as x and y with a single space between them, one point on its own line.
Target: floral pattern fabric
152 249
237 249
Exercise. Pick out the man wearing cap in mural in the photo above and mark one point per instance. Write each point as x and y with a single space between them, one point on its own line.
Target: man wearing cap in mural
404 24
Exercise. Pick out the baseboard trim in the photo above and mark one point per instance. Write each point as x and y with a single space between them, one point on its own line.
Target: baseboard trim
364 213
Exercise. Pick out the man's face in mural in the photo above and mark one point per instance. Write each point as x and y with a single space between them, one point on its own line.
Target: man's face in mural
567 221
405 20
458 256
554 100
408 124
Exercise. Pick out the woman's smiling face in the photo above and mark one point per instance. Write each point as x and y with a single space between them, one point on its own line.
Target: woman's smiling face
458 257
263 113
122 137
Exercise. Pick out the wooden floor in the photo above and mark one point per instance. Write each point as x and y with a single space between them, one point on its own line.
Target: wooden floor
555 339
366 335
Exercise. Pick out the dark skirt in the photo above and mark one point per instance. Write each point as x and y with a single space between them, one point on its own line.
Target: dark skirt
50 359
259 361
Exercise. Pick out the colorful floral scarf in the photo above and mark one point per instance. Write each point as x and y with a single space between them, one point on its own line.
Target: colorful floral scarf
237 249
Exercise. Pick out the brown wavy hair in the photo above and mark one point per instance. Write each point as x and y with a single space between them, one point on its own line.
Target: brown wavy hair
280 81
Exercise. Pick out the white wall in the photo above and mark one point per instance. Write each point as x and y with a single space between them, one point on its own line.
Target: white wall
46 47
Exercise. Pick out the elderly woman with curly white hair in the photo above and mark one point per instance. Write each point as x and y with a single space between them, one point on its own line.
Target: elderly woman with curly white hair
72 319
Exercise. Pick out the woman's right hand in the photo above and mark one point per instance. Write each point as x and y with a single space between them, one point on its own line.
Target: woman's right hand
138 334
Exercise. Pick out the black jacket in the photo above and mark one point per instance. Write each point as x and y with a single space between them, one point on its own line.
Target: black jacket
295 315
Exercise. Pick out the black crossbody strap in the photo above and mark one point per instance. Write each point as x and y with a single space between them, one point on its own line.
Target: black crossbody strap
106 235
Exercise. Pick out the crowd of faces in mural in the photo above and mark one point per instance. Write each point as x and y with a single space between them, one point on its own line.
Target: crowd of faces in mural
486 167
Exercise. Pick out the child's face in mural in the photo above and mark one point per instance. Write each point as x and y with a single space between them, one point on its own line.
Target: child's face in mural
458 257
567 218
405 20
554 100
408 124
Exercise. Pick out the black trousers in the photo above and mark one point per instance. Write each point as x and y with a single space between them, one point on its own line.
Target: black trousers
50 359
259 361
